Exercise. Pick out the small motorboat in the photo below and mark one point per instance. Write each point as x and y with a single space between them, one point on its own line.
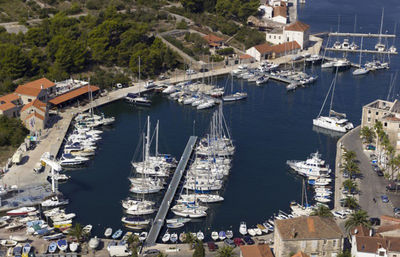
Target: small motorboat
182 237
26 249
52 247
258 231
175 225
108 232
200 236
166 237
18 238
21 211
17 251
94 243
87 229
251 232
222 235
229 234
214 235
178 220
62 244
262 228
243 228
54 236
8 243
73 247
117 234
142 236
174 237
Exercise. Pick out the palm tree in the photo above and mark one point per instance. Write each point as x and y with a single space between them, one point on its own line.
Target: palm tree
133 241
349 156
225 251
350 185
322 211
77 232
190 239
367 134
360 217
350 202
352 168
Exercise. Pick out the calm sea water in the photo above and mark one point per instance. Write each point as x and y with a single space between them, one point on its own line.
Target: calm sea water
268 128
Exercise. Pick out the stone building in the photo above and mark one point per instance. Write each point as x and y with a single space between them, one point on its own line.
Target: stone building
10 105
266 51
259 250
34 115
41 89
314 236
297 31
389 114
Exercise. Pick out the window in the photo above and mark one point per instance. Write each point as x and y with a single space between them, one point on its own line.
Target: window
377 113
369 111
334 243
29 100
385 124
274 37
369 120
381 253
324 242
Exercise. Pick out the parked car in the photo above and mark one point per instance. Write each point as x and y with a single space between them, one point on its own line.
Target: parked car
345 174
370 147
248 240
379 173
212 246
375 221
396 211
384 198
190 72
375 167
203 70
393 187
151 252
339 214
230 242
238 241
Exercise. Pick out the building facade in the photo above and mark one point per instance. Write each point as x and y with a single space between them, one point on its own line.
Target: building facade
313 235
266 51
34 115
10 105
388 113
297 31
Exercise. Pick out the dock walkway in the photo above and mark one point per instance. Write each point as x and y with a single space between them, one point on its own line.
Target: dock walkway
337 34
169 195
364 51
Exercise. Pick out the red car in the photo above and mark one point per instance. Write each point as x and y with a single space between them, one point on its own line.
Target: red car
238 241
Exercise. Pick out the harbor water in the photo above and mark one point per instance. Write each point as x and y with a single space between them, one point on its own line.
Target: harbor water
268 128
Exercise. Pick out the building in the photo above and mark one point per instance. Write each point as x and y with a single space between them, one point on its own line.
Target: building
300 254
80 94
259 250
34 115
246 59
389 114
10 105
297 31
274 10
266 51
313 235
41 89
280 14
214 41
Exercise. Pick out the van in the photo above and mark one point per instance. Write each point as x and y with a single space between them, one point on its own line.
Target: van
119 250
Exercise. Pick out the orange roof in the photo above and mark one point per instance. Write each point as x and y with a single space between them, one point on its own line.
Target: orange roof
210 38
245 56
287 46
256 251
280 11
7 106
390 219
37 115
40 83
9 98
36 103
300 254
23 90
297 26
72 94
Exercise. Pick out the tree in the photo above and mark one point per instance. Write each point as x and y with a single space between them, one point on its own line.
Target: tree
358 218
13 61
190 239
350 202
349 156
367 134
77 232
225 251
351 168
322 211
199 249
345 253
350 185
194 6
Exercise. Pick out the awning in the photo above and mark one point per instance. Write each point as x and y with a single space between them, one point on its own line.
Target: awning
73 94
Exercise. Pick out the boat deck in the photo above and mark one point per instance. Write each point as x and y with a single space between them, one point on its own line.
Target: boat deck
170 193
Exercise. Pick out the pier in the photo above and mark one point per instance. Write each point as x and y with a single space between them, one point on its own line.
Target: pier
338 34
169 195
359 51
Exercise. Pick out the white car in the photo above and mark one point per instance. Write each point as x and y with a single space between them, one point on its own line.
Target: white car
190 72
339 214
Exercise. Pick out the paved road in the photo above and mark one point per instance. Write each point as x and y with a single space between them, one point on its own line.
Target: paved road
371 186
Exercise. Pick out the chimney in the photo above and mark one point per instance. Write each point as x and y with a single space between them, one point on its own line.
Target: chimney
371 232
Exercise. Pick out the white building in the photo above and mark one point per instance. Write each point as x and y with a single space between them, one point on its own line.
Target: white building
266 51
297 31
275 10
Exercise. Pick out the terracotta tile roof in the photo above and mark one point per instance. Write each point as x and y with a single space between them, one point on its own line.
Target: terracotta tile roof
256 251
361 231
210 38
368 244
307 228
297 26
37 115
23 90
389 219
39 83
387 228
300 254
7 106
280 11
73 94
36 103
281 48
245 56
263 48
9 97
393 244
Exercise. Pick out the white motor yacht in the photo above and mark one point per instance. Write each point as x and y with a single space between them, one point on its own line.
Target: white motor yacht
54 202
333 123
313 166
243 228
71 160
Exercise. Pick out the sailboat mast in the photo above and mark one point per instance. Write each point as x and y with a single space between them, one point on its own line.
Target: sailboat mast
380 31
361 50
148 139
158 123
333 92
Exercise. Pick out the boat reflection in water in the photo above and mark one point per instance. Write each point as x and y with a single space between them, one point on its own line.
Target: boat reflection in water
327 132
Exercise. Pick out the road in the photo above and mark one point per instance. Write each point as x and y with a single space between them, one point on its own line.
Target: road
371 186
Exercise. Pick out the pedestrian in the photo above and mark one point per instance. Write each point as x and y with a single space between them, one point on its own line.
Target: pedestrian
374 200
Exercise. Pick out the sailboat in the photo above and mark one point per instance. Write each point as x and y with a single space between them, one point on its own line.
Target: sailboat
301 209
361 70
353 45
380 47
393 48
137 99
334 121
234 96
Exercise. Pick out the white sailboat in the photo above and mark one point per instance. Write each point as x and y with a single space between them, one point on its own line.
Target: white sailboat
380 47
334 121
234 96
361 70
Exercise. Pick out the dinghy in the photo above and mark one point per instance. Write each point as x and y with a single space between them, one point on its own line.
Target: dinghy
108 232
